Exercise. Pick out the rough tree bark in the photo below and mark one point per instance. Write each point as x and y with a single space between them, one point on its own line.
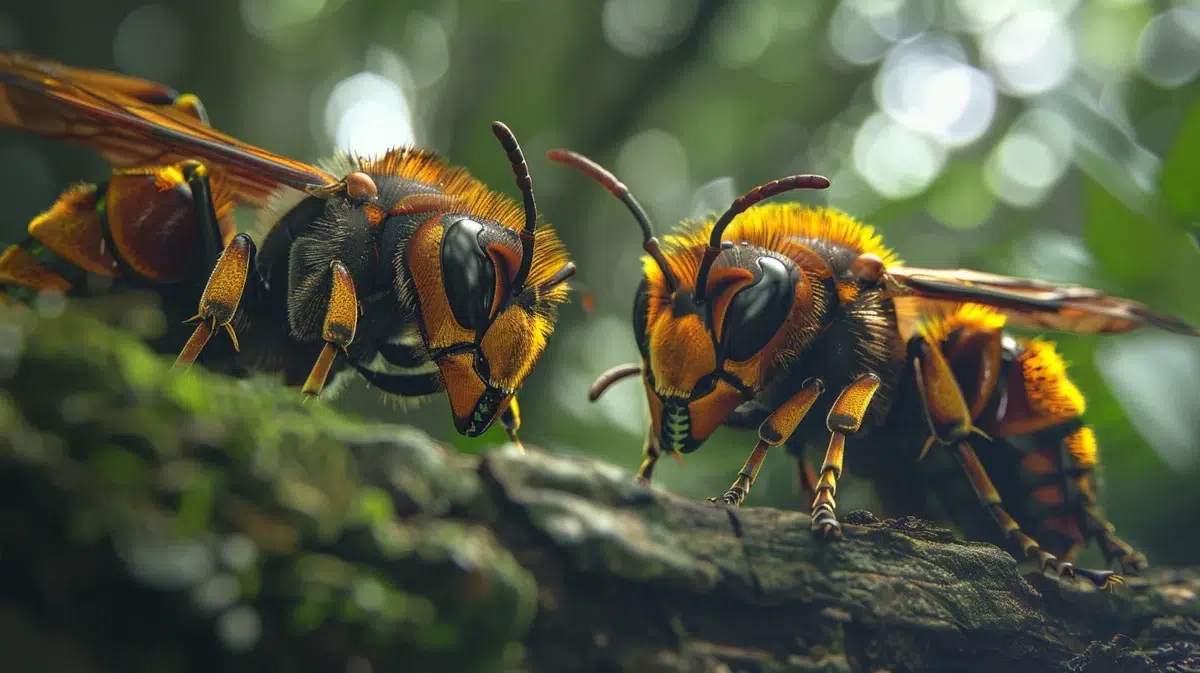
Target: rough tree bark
167 521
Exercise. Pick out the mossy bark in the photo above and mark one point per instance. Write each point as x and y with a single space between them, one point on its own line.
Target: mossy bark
172 521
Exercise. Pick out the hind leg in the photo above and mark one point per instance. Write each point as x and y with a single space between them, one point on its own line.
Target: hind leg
1079 447
951 423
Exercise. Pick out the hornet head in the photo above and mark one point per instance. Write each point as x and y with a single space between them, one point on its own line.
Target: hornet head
710 317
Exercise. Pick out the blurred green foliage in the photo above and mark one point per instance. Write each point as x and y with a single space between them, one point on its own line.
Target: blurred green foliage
1074 156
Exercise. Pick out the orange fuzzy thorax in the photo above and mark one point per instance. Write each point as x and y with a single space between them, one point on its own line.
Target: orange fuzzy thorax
780 227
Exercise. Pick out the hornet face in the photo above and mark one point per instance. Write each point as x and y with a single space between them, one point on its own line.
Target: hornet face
484 331
710 315
702 360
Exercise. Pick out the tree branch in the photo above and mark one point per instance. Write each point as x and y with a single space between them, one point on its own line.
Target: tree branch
157 520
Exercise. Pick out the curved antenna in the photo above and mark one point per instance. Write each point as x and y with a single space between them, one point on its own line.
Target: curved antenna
567 271
739 206
608 378
525 184
618 189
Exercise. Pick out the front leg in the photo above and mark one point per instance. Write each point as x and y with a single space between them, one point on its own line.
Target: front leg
650 454
341 322
749 416
510 420
775 430
231 266
845 418
219 302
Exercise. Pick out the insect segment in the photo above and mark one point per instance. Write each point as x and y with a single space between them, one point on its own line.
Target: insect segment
800 322
406 270
1011 420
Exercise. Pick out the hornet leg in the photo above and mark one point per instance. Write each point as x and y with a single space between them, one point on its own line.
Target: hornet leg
845 418
650 454
341 320
1029 547
775 430
1114 548
226 284
949 419
751 415
510 420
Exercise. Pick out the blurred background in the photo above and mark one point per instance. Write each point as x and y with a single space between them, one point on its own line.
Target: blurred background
1058 139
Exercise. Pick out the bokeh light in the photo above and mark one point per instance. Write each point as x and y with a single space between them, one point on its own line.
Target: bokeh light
240 628
1107 36
1052 255
1030 53
277 21
656 163
962 199
925 85
368 114
713 197
854 38
979 17
1168 50
427 49
1031 158
896 161
642 28
746 32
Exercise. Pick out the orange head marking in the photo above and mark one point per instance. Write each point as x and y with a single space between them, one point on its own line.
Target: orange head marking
710 317
486 281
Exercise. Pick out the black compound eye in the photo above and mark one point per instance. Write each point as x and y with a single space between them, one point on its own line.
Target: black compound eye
468 274
641 307
704 386
758 310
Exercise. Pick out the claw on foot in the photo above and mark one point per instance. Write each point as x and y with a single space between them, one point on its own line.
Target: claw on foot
732 497
825 524
1103 579
830 530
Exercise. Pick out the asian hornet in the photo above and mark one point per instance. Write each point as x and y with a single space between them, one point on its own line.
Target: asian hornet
799 322
402 262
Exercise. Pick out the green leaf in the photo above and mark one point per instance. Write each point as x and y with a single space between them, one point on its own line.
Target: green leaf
1127 243
1148 257
1180 176
1106 152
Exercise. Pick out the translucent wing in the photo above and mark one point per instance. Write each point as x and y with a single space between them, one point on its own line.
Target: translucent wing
130 121
1033 303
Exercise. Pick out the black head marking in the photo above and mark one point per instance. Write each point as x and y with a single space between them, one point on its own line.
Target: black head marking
641 317
757 310
467 273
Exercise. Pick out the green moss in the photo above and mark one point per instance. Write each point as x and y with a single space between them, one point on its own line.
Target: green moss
342 517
